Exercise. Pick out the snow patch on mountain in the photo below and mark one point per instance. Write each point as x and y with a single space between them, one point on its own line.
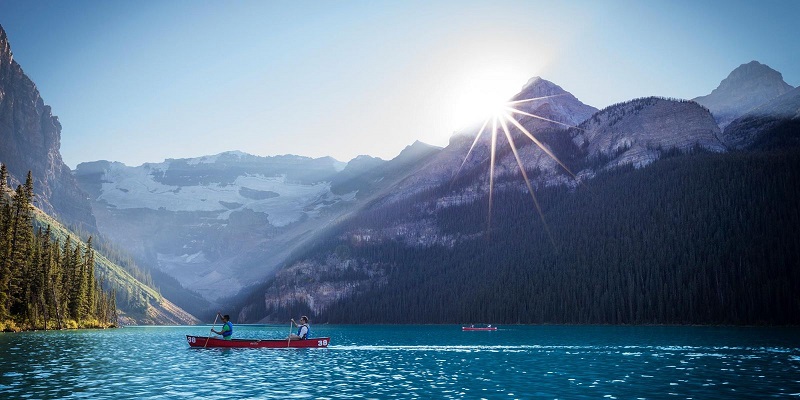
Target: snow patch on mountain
211 159
135 187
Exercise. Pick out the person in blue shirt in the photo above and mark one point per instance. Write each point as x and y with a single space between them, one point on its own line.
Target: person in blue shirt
227 327
302 329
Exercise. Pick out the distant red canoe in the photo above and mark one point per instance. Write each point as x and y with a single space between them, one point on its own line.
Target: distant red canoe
200 341
476 328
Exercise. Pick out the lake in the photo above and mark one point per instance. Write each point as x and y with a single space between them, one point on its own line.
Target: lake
406 362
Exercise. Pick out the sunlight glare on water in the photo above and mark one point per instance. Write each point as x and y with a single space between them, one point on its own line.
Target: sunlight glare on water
408 362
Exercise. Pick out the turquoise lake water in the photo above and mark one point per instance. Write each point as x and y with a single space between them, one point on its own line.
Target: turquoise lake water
406 362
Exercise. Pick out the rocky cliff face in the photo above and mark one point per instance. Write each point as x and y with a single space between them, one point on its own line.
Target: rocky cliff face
30 138
638 131
746 88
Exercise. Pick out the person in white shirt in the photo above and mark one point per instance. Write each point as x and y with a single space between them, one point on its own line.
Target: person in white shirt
302 329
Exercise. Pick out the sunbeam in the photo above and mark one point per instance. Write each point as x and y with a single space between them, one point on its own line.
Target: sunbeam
474 142
491 168
532 99
538 143
515 111
501 116
525 176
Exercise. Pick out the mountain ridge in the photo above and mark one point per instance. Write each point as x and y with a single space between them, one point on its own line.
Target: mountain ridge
636 133
624 136
220 223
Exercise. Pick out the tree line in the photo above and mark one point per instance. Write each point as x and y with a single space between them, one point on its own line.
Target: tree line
45 283
692 239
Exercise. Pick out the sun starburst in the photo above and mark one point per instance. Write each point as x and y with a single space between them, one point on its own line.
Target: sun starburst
502 121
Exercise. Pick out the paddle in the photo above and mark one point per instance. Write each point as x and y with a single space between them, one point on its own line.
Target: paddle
212 330
289 338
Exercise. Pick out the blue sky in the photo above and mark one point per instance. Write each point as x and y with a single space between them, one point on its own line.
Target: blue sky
141 81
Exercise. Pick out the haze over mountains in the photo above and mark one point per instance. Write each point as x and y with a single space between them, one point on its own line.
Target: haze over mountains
219 223
287 233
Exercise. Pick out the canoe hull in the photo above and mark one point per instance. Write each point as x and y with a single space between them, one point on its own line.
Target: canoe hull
469 328
212 342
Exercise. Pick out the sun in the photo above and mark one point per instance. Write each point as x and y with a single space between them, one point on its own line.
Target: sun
486 99
483 94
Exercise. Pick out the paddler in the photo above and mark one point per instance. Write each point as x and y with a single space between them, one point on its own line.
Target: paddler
302 329
227 327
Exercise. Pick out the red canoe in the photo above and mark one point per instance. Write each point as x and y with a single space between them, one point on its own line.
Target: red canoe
475 328
200 341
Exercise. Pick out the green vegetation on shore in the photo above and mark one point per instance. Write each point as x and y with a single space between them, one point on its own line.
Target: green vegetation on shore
47 280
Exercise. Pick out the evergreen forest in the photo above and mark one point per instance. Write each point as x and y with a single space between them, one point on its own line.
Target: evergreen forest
46 283
691 239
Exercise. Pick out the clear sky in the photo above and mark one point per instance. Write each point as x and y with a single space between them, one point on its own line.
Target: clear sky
142 81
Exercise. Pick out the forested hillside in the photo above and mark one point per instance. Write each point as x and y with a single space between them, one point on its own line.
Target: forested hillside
54 278
692 239
45 282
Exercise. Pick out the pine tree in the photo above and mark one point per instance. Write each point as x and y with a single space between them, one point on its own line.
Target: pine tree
3 178
78 290
32 284
56 284
6 230
90 301
46 268
67 279
112 308
21 245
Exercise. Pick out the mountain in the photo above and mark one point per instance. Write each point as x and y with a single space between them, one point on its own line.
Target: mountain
583 140
637 132
651 234
360 172
747 87
700 238
548 100
774 124
684 239
364 174
468 150
31 137
211 222
219 223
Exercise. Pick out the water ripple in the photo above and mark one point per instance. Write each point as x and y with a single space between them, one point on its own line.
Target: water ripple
404 363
